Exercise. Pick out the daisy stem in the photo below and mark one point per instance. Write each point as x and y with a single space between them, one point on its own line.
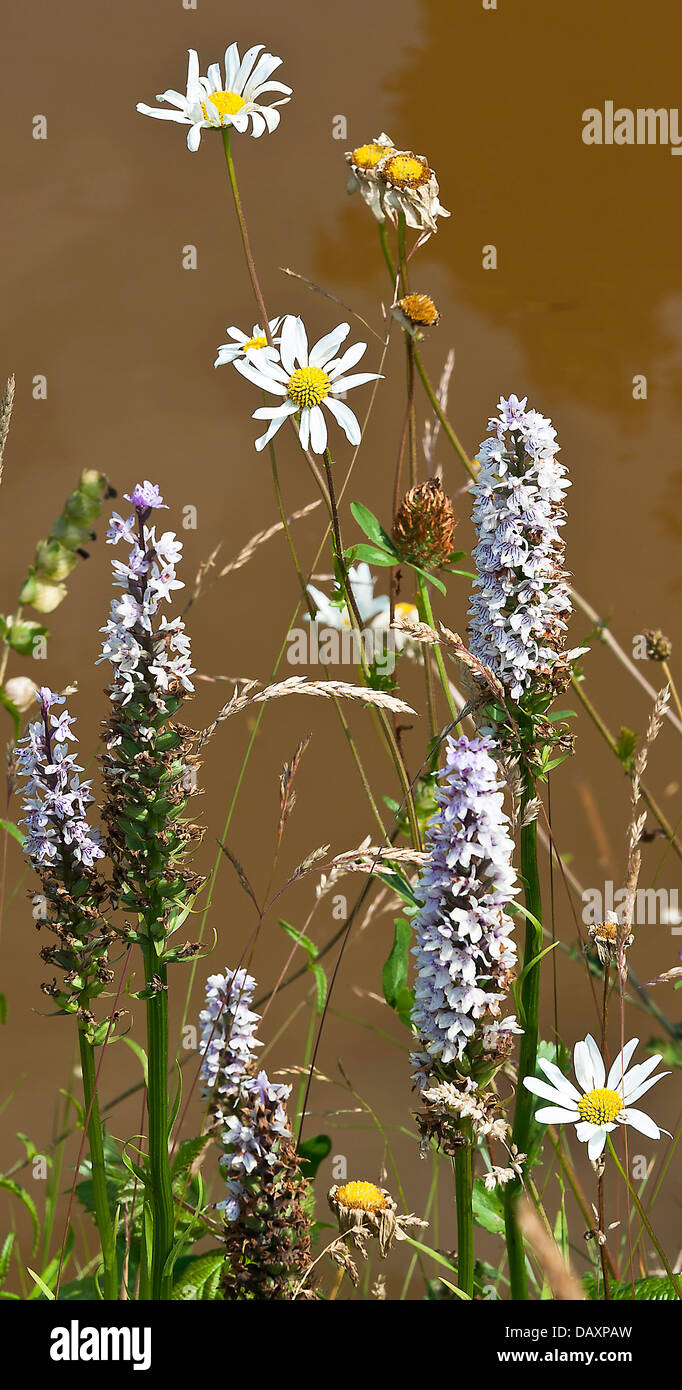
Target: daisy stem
248 254
428 617
644 1219
530 998
600 1178
464 1190
386 253
99 1181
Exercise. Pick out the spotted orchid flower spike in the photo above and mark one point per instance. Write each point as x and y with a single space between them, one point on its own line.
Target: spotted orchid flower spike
229 101
605 1101
306 379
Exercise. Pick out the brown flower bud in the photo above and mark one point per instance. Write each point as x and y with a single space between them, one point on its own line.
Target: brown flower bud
658 647
424 528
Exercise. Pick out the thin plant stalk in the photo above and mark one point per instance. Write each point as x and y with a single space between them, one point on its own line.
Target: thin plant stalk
530 998
428 615
465 1217
645 1220
160 1198
98 1169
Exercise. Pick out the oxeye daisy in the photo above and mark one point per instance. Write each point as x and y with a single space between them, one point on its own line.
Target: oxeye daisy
306 379
606 1101
212 101
244 344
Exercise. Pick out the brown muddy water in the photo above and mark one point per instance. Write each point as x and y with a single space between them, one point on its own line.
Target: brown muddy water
587 296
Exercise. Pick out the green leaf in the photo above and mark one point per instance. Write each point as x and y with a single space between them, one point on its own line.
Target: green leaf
42 1286
200 1278
626 744
398 883
187 1151
372 527
140 1053
13 830
372 555
6 1255
22 1195
3 1009
656 1288
394 973
487 1208
312 1153
14 713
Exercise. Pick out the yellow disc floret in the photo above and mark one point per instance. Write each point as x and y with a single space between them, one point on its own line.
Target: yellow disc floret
405 170
308 387
225 103
361 1196
368 156
256 343
600 1107
419 309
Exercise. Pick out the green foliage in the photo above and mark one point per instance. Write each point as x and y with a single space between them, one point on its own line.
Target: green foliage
312 964
488 1208
395 972
382 551
655 1288
199 1277
312 1153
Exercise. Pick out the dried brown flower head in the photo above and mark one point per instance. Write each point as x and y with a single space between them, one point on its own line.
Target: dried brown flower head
363 1210
658 647
424 527
607 937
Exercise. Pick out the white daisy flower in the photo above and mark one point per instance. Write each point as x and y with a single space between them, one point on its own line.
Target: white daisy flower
245 344
308 379
606 1101
375 613
211 102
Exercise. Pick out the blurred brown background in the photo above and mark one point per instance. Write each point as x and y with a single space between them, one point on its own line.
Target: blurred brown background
588 293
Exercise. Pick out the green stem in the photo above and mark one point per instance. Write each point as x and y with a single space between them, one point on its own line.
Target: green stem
465 1218
439 412
161 1200
99 1182
428 617
530 998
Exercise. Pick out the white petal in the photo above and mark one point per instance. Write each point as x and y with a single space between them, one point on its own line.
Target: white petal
175 98
245 67
346 419
349 359
257 92
640 1121
275 412
640 1091
266 383
177 116
214 77
271 118
192 70
318 430
620 1065
346 383
595 1145
554 1115
585 1130
288 343
194 138
636 1075
272 430
262 71
542 1088
557 1078
582 1066
232 61
325 349
258 124
304 431
598 1068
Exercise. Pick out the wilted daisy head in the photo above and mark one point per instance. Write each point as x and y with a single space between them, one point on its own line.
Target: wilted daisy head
606 1101
232 100
394 181
306 379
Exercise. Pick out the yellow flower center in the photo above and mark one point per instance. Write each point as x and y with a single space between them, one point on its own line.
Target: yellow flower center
361 1196
406 170
256 342
600 1107
308 387
225 103
368 156
406 610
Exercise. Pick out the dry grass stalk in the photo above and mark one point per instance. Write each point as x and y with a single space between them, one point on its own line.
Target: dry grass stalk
432 427
299 685
6 406
638 820
287 795
562 1281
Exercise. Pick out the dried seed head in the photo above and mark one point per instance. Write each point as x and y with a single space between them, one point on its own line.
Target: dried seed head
607 937
658 647
424 527
416 311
